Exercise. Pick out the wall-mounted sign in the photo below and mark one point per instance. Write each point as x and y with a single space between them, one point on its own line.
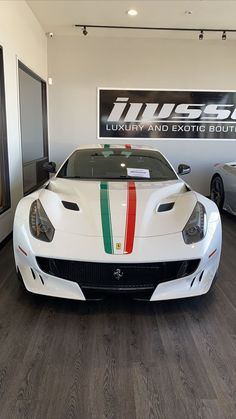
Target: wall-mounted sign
152 114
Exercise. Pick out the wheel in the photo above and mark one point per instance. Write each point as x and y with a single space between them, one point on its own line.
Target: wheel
20 279
217 191
214 279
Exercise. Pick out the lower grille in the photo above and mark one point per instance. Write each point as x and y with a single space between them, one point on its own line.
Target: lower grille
98 294
120 277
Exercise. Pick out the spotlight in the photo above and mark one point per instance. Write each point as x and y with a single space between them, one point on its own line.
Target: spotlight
50 34
85 32
201 35
132 12
224 36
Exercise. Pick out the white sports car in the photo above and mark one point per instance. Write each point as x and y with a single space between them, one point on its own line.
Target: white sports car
117 219
223 187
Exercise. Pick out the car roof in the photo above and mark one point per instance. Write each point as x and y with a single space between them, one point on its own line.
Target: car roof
125 146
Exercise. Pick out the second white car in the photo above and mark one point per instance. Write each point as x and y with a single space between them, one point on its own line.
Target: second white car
223 187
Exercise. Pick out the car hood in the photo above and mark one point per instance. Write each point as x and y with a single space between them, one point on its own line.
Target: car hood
122 204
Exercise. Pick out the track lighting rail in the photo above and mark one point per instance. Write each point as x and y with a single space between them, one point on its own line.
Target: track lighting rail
151 28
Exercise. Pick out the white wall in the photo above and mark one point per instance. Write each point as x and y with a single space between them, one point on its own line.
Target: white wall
78 65
20 36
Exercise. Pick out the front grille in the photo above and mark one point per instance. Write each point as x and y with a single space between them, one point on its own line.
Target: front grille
117 276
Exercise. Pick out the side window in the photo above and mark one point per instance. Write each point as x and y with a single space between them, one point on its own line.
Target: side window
4 170
34 132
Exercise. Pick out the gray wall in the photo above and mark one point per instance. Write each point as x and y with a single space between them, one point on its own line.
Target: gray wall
78 65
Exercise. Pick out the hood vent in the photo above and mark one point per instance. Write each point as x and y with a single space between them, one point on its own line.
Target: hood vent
165 207
70 205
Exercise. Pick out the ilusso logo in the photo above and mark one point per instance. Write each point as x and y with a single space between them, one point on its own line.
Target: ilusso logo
133 112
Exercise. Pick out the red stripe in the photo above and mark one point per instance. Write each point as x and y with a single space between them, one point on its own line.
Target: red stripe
212 254
130 218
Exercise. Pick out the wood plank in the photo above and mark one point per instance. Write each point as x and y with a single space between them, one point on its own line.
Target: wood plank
118 358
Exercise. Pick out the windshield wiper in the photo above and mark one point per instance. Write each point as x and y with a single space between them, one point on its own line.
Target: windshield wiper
69 177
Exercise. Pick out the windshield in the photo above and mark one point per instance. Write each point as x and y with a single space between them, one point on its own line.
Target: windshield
118 164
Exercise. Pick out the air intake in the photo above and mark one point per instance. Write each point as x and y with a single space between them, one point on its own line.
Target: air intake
165 207
70 205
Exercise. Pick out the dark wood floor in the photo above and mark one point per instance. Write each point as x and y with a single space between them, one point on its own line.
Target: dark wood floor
119 359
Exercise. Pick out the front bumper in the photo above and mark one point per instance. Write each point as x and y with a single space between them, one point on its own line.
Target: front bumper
198 283
160 249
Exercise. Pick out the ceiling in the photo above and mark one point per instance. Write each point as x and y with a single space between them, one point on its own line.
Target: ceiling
60 17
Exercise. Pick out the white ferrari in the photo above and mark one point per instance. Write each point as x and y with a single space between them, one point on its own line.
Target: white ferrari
117 219
223 187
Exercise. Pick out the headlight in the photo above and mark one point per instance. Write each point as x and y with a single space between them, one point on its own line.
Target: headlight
40 225
195 229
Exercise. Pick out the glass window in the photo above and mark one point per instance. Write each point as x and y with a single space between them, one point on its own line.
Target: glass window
34 135
4 173
117 163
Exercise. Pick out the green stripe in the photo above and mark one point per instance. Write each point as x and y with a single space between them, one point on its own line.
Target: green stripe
106 217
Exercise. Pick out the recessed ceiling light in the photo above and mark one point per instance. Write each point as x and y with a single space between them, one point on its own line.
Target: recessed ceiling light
132 12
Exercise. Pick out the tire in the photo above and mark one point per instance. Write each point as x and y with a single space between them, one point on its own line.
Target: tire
214 280
20 279
217 192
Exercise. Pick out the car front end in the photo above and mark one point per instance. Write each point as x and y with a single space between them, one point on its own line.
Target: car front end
175 249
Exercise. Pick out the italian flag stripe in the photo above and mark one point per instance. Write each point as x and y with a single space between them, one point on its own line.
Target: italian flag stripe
130 218
106 217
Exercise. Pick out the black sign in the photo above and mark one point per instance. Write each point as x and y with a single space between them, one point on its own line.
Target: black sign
166 114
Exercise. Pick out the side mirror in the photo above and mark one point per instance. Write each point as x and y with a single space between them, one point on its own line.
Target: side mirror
50 166
183 169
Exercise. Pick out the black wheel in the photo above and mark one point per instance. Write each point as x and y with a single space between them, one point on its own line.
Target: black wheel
217 191
215 279
20 279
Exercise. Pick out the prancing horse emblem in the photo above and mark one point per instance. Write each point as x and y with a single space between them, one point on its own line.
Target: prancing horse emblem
118 274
